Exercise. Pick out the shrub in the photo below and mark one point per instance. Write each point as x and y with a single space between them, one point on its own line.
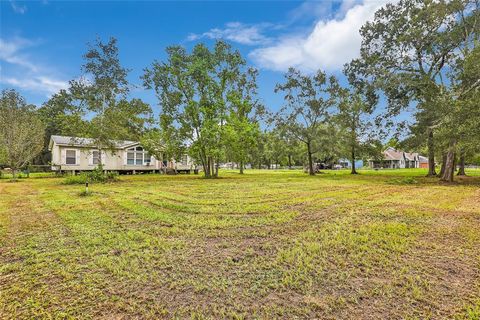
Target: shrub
97 175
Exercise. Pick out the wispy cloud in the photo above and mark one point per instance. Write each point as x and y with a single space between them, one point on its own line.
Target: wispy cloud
10 52
20 71
331 43
39 84
17 8
236 32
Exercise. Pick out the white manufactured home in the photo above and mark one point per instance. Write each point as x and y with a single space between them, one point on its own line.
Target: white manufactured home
76 154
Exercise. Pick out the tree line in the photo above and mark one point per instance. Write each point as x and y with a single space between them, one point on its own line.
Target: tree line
419 56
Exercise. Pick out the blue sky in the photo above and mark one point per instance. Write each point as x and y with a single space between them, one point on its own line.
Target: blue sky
42 43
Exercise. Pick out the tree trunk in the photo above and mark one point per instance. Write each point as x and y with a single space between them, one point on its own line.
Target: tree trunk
431 154
289 161
215 163
212 166
14 176
454 164
207 168
444 162
204 161
450 163
354 171
241 167
461 169
310 160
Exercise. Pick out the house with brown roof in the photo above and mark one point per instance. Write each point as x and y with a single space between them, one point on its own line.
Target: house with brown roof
398 159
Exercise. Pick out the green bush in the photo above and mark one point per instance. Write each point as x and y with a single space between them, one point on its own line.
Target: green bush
97 175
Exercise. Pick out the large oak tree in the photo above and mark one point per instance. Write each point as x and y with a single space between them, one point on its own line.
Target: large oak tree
195 91
308 104
406 51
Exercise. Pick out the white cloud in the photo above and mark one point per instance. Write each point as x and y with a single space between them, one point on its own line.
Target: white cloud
311 9
40 84
10 52
21 9
18 69
331 43
236 32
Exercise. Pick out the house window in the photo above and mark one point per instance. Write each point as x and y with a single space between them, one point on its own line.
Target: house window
70 157
96 157
130 158
137 156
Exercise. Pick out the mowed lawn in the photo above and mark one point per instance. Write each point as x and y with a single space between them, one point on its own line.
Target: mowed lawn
268 244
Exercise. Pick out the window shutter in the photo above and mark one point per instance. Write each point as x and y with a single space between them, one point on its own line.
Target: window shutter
77 156
63 156
125 157
90 157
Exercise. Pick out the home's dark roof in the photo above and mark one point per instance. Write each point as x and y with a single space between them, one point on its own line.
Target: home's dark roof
87 142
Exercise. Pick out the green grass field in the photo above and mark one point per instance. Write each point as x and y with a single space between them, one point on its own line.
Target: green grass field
268 244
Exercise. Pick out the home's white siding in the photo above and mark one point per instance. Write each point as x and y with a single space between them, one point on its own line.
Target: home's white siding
111 160
55 156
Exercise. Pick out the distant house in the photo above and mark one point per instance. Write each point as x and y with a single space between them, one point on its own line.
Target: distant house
423 162
81 154
345 163
398 159
233 165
